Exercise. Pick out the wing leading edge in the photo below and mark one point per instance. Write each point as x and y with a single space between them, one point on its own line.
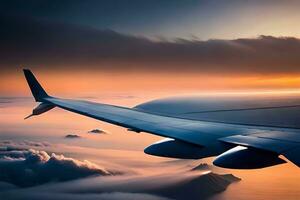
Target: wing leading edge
215 137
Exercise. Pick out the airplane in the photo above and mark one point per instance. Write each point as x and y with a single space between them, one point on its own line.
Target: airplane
241 133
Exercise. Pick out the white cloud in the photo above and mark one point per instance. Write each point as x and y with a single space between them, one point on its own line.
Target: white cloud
52 176
33 167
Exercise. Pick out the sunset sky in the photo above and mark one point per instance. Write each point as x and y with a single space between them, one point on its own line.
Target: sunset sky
126 52
190 45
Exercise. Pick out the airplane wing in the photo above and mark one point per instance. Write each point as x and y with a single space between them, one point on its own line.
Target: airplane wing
191 139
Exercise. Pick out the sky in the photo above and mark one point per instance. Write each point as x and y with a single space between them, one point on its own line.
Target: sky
202 19
126 52
180 45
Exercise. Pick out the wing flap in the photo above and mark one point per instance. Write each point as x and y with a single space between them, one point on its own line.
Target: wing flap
259 143
272 141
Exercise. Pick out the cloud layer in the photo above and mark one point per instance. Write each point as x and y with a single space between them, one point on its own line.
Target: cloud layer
35 174
31 167
167 186
50 45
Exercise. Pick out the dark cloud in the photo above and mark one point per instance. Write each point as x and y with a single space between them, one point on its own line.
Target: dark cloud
205 18
32 167
26 42
98 131
72 136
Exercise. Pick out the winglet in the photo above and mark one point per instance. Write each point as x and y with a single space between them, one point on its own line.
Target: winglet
36 89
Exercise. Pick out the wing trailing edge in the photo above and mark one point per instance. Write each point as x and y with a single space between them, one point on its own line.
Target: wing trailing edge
273 142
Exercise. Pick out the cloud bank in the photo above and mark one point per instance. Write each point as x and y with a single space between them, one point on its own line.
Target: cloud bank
27 42
167 186
31 167
35 174
22 195
7 146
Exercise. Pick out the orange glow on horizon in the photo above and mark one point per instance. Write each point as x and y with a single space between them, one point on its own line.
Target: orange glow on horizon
83 83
